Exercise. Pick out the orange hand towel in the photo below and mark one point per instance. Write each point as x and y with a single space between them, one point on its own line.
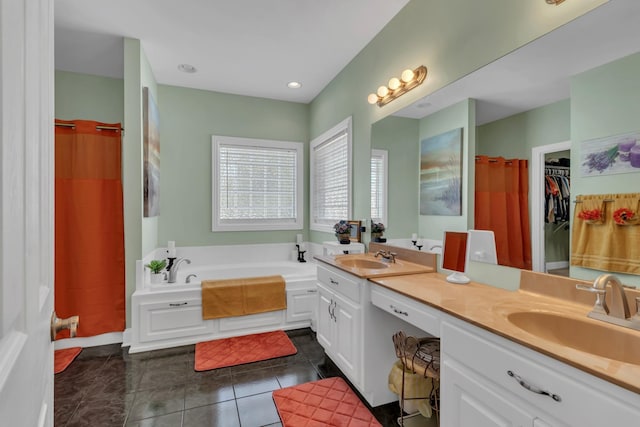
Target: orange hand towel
606 245
238 297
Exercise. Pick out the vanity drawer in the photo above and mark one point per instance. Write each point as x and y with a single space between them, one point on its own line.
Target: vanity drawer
411 311
339 283
580 397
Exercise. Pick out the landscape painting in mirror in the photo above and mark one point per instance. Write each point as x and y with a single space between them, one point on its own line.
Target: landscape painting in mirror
441 174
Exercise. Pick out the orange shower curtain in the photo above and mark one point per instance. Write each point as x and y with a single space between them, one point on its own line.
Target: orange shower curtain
89 227
502 206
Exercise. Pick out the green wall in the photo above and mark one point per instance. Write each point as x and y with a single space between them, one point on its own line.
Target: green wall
189 118
85 97
399 136
604 102
515 136
416 36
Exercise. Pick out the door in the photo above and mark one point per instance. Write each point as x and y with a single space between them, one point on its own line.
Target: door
537 201
326 324
26 212
348 338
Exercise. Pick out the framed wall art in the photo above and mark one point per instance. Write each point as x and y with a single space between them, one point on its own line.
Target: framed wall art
151 155
441 174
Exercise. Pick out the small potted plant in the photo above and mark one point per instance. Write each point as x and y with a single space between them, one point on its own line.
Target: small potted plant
377 229
156 266
343 232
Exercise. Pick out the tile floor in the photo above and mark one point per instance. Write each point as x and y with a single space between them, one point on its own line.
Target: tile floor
106 386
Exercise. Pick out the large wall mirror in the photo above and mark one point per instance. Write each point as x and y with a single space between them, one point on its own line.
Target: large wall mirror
522 103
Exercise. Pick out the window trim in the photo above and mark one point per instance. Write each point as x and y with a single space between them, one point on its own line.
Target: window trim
261 224
343 126
384 154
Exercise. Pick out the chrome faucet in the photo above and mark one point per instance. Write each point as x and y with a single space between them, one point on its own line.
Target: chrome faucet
173 271
387 255
619 314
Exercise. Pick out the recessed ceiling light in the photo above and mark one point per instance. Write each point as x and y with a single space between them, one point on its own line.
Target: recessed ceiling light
186 68
294 85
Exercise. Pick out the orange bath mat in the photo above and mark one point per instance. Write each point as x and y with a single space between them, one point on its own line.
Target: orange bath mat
327 402
245 349
63 358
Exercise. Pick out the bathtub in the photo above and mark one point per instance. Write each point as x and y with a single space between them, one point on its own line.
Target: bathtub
293 272
169 314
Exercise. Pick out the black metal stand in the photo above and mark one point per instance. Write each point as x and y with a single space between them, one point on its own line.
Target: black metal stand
300 254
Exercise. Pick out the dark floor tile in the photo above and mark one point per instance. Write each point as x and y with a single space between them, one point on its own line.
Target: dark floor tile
103 351
258 410
222 414
169 420
162 401
164 375
387 415
254 382
208 391
288 376
102 412
63 410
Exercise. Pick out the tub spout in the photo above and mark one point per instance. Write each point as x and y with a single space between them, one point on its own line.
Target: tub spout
173 271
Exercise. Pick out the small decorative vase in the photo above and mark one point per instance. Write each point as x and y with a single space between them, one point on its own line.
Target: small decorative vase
344 238
375 237
157 278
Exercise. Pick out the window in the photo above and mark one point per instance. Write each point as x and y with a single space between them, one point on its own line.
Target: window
256 184
330 175
379 167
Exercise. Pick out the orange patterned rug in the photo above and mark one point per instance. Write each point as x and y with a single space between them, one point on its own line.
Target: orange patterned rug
327 402
245 349
63 358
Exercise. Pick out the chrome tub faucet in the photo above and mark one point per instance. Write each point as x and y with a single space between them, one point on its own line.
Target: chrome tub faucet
173 271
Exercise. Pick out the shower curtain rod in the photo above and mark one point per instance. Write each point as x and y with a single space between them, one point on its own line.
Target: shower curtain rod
71 125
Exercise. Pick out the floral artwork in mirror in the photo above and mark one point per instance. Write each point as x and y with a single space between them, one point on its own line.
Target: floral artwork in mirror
441 174
611 155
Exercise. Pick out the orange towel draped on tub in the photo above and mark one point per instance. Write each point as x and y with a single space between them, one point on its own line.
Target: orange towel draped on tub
237 297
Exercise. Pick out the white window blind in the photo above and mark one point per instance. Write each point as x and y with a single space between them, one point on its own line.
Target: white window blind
379 186
257 184
331 177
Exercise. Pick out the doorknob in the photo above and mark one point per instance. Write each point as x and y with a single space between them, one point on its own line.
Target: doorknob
58 324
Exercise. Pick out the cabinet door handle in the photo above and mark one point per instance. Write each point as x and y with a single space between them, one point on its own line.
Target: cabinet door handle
175 304
333 312
533 388
395 310
334 282
312 291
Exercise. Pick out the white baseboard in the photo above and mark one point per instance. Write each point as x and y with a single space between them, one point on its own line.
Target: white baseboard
103 339
556 265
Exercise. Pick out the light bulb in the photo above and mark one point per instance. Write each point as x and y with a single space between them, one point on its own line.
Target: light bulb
407 75
372 98
383 91
394 83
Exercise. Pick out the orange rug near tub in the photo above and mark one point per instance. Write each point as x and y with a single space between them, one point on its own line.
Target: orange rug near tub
327 402
240 350
63 358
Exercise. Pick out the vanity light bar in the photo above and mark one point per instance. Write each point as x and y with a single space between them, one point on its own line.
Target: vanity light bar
398 86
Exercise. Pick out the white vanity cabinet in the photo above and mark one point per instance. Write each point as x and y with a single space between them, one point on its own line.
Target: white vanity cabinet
339 329
487 380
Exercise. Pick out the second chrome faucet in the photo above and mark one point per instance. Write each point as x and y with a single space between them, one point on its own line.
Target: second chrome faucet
619 313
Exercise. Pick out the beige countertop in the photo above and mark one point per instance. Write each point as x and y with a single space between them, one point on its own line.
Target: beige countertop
400 267
488 307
